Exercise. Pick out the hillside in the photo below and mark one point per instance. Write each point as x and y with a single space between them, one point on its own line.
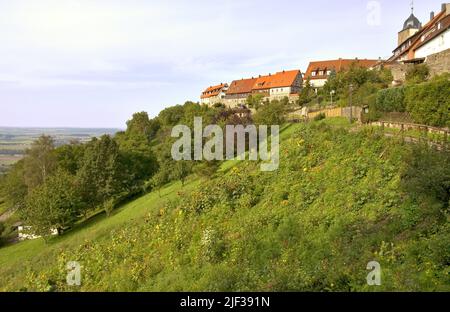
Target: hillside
339 200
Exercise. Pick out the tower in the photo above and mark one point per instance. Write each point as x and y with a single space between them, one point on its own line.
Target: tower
411 26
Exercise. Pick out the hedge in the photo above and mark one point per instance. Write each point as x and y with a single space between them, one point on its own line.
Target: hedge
429 102
391 100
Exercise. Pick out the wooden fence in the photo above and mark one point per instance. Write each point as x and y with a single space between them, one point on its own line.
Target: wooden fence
305 113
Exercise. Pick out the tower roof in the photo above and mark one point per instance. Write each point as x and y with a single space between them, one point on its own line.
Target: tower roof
412 22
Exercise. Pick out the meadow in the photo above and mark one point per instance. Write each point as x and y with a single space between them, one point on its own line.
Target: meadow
339 200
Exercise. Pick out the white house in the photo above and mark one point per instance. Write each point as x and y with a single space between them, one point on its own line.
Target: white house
214 94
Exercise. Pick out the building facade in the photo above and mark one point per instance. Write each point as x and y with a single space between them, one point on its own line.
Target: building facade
238 92
417 42
214 94
271 87
318 72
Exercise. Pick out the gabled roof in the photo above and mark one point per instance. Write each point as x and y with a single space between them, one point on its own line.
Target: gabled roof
278 80
336 65
213 91
241 86
433 31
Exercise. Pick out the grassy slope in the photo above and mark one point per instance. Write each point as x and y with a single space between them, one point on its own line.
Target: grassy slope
334 205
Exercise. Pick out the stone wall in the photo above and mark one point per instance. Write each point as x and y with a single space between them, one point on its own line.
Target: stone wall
439 63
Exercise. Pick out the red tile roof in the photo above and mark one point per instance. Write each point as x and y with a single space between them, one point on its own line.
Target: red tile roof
241 86
278 80
213 91
337 65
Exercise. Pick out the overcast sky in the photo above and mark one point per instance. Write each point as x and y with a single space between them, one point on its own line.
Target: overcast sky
93 63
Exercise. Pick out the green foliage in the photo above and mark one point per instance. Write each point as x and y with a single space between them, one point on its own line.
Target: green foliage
390 100
52 205
40 161
364 83
417 73
429 102
141 125
339 200
307 94
137 160
108 206
254 101
100 174
182 169
69 156
270 114
14 187
206 169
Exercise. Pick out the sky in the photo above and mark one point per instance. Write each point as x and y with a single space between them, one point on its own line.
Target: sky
93 63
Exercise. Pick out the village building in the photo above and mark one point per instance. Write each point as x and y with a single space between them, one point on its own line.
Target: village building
214 94
272 87
416 43
239 91
318 72
280 85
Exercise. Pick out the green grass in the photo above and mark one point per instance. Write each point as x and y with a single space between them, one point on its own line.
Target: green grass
338 201
96 227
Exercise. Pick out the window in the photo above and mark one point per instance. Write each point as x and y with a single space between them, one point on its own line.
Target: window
321 73
329 72
313 74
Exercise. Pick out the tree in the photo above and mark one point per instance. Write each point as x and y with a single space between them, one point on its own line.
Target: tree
100 176
14 187
141 125
69 156
254 101
270 114
307 94
160 179
182 170
39 162
137 159
53 205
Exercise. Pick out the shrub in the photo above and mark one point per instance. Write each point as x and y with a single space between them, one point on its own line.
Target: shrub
429 103
390 100
417 73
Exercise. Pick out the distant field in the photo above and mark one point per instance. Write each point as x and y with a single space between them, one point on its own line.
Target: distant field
14 141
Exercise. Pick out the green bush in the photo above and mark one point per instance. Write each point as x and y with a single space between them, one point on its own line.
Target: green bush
429 103
390 100
417 73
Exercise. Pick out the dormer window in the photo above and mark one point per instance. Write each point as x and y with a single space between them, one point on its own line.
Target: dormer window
329 72
321 73
313 74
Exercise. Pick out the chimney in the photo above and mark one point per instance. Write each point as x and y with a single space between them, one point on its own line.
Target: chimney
444 7
431 15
